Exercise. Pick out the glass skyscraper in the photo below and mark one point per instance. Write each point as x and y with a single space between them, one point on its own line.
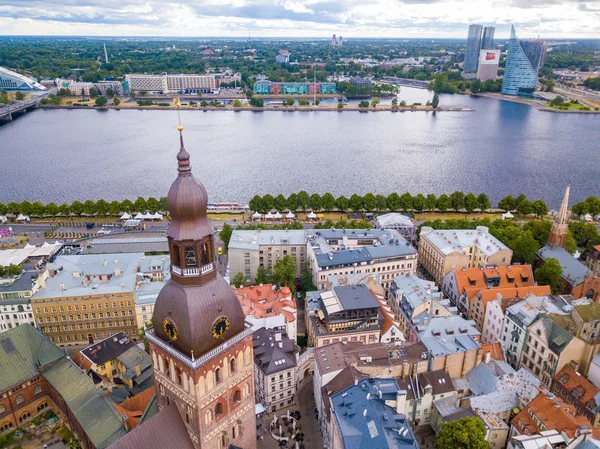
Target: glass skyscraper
522 65
487 43
473 47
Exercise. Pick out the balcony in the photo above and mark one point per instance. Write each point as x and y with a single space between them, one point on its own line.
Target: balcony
193 271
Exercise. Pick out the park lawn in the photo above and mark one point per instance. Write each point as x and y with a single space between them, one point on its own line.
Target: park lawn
456 216
220 216
572 106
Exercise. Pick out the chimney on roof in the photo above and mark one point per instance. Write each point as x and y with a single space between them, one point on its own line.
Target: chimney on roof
105 263
488 357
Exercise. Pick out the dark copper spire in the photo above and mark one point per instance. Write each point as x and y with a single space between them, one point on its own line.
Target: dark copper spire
183 157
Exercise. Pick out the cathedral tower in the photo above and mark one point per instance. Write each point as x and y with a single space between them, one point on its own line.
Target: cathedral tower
558 232
201 347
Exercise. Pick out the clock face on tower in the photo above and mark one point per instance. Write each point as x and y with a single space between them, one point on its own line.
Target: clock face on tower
170 329
220 327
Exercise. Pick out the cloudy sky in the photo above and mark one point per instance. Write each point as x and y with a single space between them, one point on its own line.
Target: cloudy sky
299 18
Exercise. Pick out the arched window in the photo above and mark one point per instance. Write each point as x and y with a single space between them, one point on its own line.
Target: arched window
179 376
20 399
190 257
208 417
168 400
219 410
187 418
2 408
232 365
246 390
37 389
590 294
205 254
223 441
237 396
218 376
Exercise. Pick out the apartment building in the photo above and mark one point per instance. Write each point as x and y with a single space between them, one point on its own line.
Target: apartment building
249 250
572 387
15 294
173 83
441 251
359 251
461 285
86 298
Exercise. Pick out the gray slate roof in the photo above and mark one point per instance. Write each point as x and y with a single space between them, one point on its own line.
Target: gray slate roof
108 349
99 420
272 355
23 351
573 271
354 297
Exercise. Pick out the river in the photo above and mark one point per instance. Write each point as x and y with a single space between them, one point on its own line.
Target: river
501 148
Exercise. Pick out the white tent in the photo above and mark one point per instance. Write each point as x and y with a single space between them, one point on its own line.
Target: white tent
22 217
277 216
312 215
290 215
588 217
148 216
125 216
139 216
507 216
269 216
46 245
3 219
27 246
256 215
157 216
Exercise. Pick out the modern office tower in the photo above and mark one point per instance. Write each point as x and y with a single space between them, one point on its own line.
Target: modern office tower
473 47
487 43
522 65
488 65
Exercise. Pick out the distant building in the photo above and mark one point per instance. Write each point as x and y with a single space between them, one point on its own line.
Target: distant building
266 87
352 251
360 82
15 292
473 47
10 80
103 86
593 259
80 89
487 41
488 65
275 360
365 415
249 250
283 57
268 308
182 83
442 251
522 66
399 222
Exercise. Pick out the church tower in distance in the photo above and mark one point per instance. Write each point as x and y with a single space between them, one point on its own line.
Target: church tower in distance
201 346
558 232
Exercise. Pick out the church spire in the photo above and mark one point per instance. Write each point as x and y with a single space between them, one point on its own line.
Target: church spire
558 232
183 157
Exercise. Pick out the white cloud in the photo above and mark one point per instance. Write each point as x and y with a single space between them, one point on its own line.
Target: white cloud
299 18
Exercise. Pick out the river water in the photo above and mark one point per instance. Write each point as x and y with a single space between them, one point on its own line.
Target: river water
501 148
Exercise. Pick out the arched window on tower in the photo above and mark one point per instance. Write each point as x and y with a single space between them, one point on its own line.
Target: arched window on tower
232 365
179 376
219 410
190 257
223 441
218 376
237 396
205 254
208 417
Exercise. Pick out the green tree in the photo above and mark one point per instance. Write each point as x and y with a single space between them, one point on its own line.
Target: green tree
25 208
430 202
239 280
13 208
116 101
89 207
38 209
381 202
4 97
443 203
524 248
289 101
127 206
465 433
256 102
101 101
52 209
363 104
507 203
584 234
110 93
292 202
303 102
525 207
225 235
141 205
436 101
328 202
471 202
152 204
307 277
540 209
549 274
375 101
356 202
522 197
303 199
393 201
539 230
406 201
257 204
114 208
13 270
3 209
315 202
102 207
162 204
457 200
237 103
418 202
64 210
280 202
342 203
93 92
284 271
268 202
476 86
483 202
19 96
369 202
593 203
262 276
76 207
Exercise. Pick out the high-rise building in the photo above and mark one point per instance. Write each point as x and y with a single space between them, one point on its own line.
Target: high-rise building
521 72
535 51
488 65
473 47
201 346
333 41
487 43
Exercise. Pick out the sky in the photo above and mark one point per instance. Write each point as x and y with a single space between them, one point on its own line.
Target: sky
300 18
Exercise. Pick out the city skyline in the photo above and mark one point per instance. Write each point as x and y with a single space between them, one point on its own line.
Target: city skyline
299 18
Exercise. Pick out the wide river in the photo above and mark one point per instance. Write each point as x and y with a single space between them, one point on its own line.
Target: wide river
502 148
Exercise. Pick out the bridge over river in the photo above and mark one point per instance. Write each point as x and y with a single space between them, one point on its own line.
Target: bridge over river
16 108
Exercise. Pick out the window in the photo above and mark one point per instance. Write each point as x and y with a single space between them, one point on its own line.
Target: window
219 410
237 396
232 365
218 375
20 399
190 257
208 417
38 389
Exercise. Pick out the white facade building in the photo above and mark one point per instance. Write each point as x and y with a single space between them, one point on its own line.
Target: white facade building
171 83
15 308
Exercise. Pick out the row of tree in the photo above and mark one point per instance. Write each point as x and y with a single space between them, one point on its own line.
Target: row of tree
591 205
457 201
89 207
284 274
11 270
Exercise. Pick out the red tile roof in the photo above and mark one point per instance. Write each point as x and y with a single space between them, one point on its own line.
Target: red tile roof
575 383
521 275
262 302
